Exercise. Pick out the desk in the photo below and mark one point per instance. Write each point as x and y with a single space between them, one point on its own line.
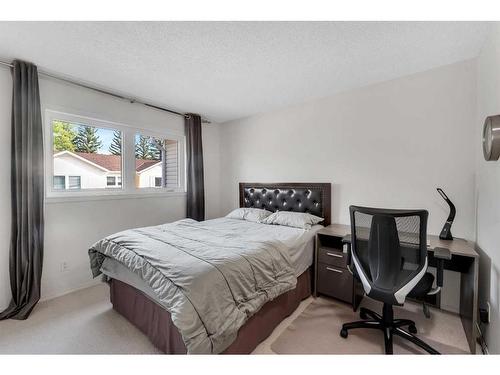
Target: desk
464 259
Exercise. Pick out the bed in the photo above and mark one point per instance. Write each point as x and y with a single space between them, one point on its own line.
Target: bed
179 318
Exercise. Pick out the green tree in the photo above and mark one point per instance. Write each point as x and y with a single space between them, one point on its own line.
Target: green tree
156 146
64 136
145 148
87 140
115 147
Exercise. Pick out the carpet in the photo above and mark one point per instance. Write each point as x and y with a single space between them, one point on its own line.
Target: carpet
316 331
81 322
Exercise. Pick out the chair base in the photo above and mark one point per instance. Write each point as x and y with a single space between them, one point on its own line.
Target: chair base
389 326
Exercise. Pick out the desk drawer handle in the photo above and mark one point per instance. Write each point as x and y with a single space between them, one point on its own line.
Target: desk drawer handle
333 270
334 255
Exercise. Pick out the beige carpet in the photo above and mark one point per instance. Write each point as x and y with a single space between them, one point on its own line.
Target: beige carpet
82 322
316 331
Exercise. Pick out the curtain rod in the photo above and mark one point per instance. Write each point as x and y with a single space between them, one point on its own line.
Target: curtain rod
102 91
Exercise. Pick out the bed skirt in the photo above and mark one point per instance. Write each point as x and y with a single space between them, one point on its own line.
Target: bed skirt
155 322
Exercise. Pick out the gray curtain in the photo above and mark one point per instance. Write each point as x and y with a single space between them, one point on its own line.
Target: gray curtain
26 246
194 168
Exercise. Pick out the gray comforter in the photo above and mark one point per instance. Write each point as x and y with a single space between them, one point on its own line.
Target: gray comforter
210 282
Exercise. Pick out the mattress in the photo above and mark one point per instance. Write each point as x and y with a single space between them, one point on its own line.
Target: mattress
299 242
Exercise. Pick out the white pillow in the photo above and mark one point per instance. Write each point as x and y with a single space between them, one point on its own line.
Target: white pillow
250 214
301 220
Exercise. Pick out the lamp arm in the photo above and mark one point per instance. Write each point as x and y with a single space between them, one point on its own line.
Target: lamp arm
446 231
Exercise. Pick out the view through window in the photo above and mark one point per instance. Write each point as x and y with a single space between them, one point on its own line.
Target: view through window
156 162
85 157
88 157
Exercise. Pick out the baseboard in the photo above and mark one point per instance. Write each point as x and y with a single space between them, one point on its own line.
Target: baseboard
92 282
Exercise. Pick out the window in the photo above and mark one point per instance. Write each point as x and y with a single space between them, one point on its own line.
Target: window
157 162
85 157
74 182
114 181
85 154
111 181
59 182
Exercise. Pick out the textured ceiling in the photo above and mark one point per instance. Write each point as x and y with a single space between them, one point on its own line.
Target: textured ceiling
228 70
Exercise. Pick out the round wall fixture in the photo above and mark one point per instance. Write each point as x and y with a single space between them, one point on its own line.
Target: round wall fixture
491 138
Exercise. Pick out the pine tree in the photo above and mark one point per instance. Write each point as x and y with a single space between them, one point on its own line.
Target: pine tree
156 147
145 148
87 140
115 147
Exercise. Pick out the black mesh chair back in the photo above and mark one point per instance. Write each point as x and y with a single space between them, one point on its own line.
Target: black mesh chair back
388 254
389 250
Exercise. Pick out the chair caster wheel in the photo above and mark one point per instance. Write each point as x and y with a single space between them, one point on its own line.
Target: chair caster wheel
412 329
343 333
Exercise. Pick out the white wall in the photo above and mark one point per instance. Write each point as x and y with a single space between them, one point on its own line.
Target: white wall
389 145
71 227
488 187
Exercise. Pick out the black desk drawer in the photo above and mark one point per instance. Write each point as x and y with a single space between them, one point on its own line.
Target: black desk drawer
332 256
335 282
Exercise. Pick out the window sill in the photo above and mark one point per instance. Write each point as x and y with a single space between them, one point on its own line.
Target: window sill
108 197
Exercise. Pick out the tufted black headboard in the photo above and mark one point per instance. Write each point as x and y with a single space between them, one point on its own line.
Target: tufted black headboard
314 198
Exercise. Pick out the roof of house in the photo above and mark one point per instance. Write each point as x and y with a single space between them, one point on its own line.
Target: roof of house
142 164
109 162
112 162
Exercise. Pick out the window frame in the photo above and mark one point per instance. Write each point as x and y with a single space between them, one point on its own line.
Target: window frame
114 182
53 178
79 182
127 187
161 182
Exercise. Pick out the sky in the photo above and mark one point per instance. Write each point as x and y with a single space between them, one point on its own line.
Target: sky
106 137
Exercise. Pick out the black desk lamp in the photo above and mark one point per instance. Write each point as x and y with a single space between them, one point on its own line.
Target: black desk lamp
446 231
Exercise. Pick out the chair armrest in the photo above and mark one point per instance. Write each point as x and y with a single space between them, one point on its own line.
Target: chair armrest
346 240
442 253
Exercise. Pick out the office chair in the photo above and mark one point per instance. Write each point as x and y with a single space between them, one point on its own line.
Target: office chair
388 254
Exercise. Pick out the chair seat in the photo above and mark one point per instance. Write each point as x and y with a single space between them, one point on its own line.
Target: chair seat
423 287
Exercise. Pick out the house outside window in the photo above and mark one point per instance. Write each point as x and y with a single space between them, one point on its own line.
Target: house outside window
157 162
86 157
85 154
